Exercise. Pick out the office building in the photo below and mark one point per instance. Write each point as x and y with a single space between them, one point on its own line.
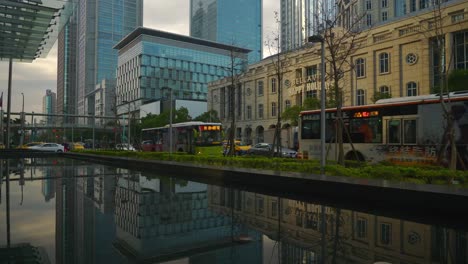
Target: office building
98 25
151 61
237 23
66 71
300 19
49 106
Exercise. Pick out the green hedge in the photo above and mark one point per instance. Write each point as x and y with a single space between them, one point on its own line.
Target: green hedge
418 174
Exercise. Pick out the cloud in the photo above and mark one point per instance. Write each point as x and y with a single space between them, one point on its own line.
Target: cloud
173 16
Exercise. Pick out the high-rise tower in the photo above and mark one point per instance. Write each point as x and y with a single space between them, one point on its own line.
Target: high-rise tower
237 23
89 40
301 19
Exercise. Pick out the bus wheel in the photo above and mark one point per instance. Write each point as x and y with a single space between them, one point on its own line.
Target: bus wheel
354 155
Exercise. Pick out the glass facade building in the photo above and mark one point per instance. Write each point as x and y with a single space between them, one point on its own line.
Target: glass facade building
49 106
237 23
101 24
301 19
151 61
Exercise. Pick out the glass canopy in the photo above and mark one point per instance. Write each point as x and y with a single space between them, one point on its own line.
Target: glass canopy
29 28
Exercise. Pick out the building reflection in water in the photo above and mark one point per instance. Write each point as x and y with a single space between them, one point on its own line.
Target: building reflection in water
111 215
313 233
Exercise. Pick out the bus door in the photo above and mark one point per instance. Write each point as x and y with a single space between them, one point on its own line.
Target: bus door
400 130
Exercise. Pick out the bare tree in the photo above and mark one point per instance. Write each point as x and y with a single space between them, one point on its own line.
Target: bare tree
341 40
236 67
280 64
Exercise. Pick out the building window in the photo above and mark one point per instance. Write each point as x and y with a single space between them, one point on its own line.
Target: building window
260 87
260 111
360 68
384 90
411 89
273 85
409 131
384 16
384 62
412 5
411 58
423 4
368 5
385 234
311 94
461 50
287 104
249 112
369 19
273 109
361 227
384 3
360 97
458 17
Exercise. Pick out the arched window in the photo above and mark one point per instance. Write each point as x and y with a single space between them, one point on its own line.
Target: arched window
384 89
360 97
360 67
411 89
384 62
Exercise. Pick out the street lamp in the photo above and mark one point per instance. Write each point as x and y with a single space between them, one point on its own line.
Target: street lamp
93 126
316 39
170 118
128 140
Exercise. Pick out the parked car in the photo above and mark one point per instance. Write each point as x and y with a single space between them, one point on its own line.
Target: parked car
264 149
66 146
240 148
53 147
125 146
28 145
77 146
147 145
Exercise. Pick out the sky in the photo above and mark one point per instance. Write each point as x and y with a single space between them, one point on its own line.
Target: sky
33 79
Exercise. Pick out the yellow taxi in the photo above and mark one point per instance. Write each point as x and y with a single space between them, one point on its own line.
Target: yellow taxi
28 145
77 146
240 148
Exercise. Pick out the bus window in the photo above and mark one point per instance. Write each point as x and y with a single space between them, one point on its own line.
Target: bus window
394 131
409 136
310 129
366 130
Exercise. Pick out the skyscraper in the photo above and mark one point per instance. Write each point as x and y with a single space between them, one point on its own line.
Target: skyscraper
49 106
89 41
301 19
237 23
66 71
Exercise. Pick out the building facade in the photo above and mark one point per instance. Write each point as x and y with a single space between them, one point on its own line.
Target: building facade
152 62
300 19
49 106
66 71
237 23
101 24
399 58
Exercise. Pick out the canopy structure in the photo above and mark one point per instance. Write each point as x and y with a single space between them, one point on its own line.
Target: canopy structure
29 28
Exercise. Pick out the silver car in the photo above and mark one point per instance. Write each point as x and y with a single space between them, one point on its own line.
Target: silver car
53 147
264 149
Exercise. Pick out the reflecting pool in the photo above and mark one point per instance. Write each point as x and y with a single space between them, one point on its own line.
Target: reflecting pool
68 211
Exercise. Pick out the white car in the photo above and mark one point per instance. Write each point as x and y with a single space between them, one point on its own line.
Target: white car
53 147
125 147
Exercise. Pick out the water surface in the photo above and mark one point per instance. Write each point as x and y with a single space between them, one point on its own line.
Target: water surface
76 212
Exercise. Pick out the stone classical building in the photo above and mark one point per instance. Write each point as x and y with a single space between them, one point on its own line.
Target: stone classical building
398 58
